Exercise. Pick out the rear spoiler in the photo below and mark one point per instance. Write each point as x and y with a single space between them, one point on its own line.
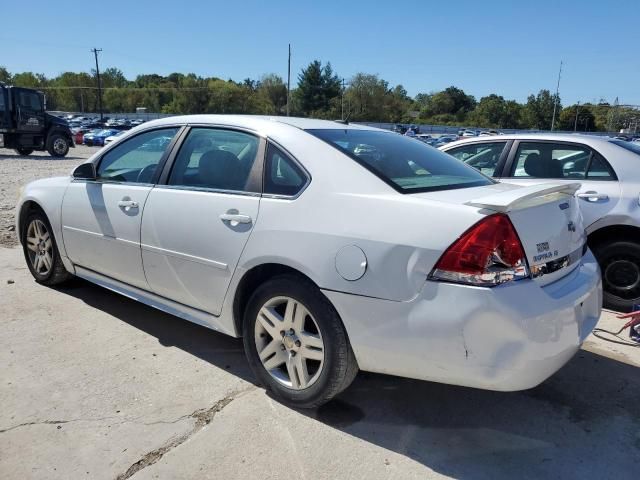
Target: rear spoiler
524 197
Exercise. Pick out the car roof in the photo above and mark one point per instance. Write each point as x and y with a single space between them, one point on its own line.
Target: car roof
257 122
592 140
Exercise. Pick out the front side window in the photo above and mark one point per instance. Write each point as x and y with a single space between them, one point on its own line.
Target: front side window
282 176
215 158
551 160
408 165
481 156
136 160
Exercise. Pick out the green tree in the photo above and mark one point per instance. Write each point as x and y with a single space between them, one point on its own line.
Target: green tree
5 76
272 87
538 111
317 87
585 121
452 101
495 112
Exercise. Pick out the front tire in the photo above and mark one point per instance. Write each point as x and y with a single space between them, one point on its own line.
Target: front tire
41 251
620 265
296 344
57 145
24 151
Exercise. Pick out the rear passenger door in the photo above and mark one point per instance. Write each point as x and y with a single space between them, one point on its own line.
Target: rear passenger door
534 162
197 221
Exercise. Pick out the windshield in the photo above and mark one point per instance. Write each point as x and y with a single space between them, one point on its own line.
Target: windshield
631 146
407 164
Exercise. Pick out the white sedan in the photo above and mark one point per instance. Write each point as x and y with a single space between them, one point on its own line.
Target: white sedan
329 248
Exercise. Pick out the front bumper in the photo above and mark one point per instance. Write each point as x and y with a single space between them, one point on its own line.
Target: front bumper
510 337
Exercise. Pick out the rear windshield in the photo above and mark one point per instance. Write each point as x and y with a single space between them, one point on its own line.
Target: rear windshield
407 164
631 146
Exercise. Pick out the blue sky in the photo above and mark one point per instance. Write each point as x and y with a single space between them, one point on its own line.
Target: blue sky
507 47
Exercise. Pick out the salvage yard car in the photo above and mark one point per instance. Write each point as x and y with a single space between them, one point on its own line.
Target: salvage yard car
609 172
329 248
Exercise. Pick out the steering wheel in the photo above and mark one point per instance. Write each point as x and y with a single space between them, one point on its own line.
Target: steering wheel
146 173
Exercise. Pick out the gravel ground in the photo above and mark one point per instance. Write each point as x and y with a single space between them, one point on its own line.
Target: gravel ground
18 170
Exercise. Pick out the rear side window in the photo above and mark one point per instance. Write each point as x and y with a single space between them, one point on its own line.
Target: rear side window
407 164
282 176
481 156
558 161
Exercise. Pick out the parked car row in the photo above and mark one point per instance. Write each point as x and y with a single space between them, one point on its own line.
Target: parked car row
81 126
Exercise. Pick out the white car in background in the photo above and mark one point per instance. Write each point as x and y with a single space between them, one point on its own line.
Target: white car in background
609 172
329 248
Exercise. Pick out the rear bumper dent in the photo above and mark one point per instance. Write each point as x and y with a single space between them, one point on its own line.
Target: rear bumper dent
511 337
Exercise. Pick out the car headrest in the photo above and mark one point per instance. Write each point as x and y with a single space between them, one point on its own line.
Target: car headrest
220 169
533 165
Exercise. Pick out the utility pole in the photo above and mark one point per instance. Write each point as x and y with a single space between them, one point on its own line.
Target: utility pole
289 81
342 102
575 124
95 54
555 100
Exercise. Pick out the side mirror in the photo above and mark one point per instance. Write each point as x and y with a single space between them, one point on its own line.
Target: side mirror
85 171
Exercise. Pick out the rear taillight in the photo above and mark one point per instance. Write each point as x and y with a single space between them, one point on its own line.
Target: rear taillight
488 254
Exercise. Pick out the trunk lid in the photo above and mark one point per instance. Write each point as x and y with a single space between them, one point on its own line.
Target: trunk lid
546 217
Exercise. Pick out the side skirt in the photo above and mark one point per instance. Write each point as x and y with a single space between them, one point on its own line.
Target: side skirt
163 304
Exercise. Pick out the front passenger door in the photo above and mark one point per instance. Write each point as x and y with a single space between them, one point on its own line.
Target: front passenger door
101 219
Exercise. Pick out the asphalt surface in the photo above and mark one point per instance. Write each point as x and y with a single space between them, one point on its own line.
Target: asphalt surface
95 385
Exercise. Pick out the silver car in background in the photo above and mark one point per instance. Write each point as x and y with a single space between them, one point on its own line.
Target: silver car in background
609 172
329 248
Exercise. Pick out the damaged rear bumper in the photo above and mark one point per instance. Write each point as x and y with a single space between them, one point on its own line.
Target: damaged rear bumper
510 337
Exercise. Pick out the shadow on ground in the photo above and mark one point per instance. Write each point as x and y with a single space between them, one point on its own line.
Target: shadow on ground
584 422
39 157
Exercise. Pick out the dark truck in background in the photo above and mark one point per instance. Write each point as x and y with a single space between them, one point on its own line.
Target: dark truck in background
25 126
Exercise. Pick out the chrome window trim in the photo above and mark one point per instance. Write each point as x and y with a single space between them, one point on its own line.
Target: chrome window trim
111 182
193 188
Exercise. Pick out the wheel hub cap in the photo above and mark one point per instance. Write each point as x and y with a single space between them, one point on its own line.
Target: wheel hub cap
289 343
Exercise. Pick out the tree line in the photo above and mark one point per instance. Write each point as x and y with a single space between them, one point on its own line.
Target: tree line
318 92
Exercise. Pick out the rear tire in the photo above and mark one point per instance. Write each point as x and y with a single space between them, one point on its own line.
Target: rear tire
41 251
620 265
317 346
24 151
57 145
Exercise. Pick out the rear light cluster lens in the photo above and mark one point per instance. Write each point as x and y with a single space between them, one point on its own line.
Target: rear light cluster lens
488 254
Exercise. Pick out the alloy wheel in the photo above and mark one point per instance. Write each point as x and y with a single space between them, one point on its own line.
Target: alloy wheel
39 247
289 343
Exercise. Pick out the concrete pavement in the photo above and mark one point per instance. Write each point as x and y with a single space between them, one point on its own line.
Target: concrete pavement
95 385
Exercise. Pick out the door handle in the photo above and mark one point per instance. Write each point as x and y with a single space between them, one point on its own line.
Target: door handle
127 204
235 218
592 196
